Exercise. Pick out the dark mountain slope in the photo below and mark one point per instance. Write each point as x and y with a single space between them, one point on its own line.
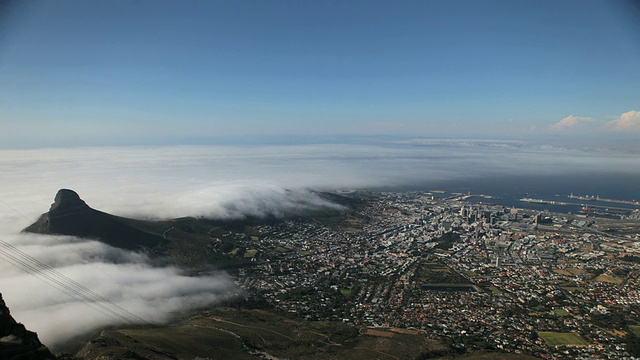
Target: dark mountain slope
70 215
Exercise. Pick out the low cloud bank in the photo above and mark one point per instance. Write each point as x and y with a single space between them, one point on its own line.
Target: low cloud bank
228 181
126 288
235 202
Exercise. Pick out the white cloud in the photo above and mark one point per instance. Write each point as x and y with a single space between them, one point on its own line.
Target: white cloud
228 181
569 122
629 121
154 295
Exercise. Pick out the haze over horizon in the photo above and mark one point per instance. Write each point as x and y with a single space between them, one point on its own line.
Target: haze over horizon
78 73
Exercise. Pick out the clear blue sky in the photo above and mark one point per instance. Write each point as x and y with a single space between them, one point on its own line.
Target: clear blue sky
111 72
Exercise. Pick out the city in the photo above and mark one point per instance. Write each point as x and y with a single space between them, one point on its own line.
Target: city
477 276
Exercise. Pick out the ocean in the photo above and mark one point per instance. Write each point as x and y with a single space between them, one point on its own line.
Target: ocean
507 190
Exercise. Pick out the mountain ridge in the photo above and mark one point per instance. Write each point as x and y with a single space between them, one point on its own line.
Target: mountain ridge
70 215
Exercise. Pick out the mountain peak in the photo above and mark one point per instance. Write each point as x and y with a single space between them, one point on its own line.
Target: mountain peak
66 195
66 200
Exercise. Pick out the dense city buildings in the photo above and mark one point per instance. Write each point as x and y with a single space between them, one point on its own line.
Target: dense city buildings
475 275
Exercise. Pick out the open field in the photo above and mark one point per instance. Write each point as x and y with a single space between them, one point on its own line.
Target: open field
559 339
379 333
405 331
346 292
283 249
574 288
609 279
562 272
561 312
577 272
571 271
250 253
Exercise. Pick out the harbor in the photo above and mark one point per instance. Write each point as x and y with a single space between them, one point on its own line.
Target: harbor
598 198
591 208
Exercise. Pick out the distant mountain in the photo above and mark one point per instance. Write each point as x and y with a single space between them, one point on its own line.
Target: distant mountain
182 239
18 343
70 215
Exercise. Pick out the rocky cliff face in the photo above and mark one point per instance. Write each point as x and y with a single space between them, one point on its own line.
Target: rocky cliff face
67 203
18 343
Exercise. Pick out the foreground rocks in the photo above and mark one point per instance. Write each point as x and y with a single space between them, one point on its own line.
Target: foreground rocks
18 343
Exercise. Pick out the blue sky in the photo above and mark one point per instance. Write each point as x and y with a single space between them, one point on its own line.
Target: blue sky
137 72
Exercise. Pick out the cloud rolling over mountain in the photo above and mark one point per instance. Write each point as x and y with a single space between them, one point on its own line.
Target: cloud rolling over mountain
136 291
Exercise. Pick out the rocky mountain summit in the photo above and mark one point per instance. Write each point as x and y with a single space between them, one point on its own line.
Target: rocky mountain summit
18 343
70 215
66 203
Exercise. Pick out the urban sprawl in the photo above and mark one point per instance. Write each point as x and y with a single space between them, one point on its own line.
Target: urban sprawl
474 275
